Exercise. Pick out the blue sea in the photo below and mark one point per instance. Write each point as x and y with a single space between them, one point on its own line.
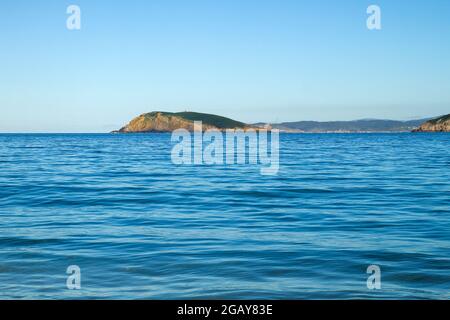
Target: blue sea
140 227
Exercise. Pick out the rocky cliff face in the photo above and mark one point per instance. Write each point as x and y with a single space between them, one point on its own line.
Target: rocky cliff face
167 122
441 124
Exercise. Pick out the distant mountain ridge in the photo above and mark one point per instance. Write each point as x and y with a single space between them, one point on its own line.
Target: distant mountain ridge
363 125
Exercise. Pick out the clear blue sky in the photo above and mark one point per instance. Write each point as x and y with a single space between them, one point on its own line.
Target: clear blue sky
252 60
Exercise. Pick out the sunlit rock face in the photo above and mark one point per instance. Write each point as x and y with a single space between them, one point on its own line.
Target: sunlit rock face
441 124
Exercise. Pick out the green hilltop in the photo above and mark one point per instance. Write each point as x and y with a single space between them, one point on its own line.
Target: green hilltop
211 119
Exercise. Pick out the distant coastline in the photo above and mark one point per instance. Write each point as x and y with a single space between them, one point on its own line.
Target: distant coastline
160 121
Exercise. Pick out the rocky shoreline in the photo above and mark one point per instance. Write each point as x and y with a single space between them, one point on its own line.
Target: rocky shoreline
441 124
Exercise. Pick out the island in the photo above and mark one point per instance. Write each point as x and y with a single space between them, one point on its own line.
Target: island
159 121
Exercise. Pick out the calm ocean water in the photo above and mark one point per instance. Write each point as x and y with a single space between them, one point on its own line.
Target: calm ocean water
140 227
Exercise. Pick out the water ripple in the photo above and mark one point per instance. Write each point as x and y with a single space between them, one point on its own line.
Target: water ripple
141 227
